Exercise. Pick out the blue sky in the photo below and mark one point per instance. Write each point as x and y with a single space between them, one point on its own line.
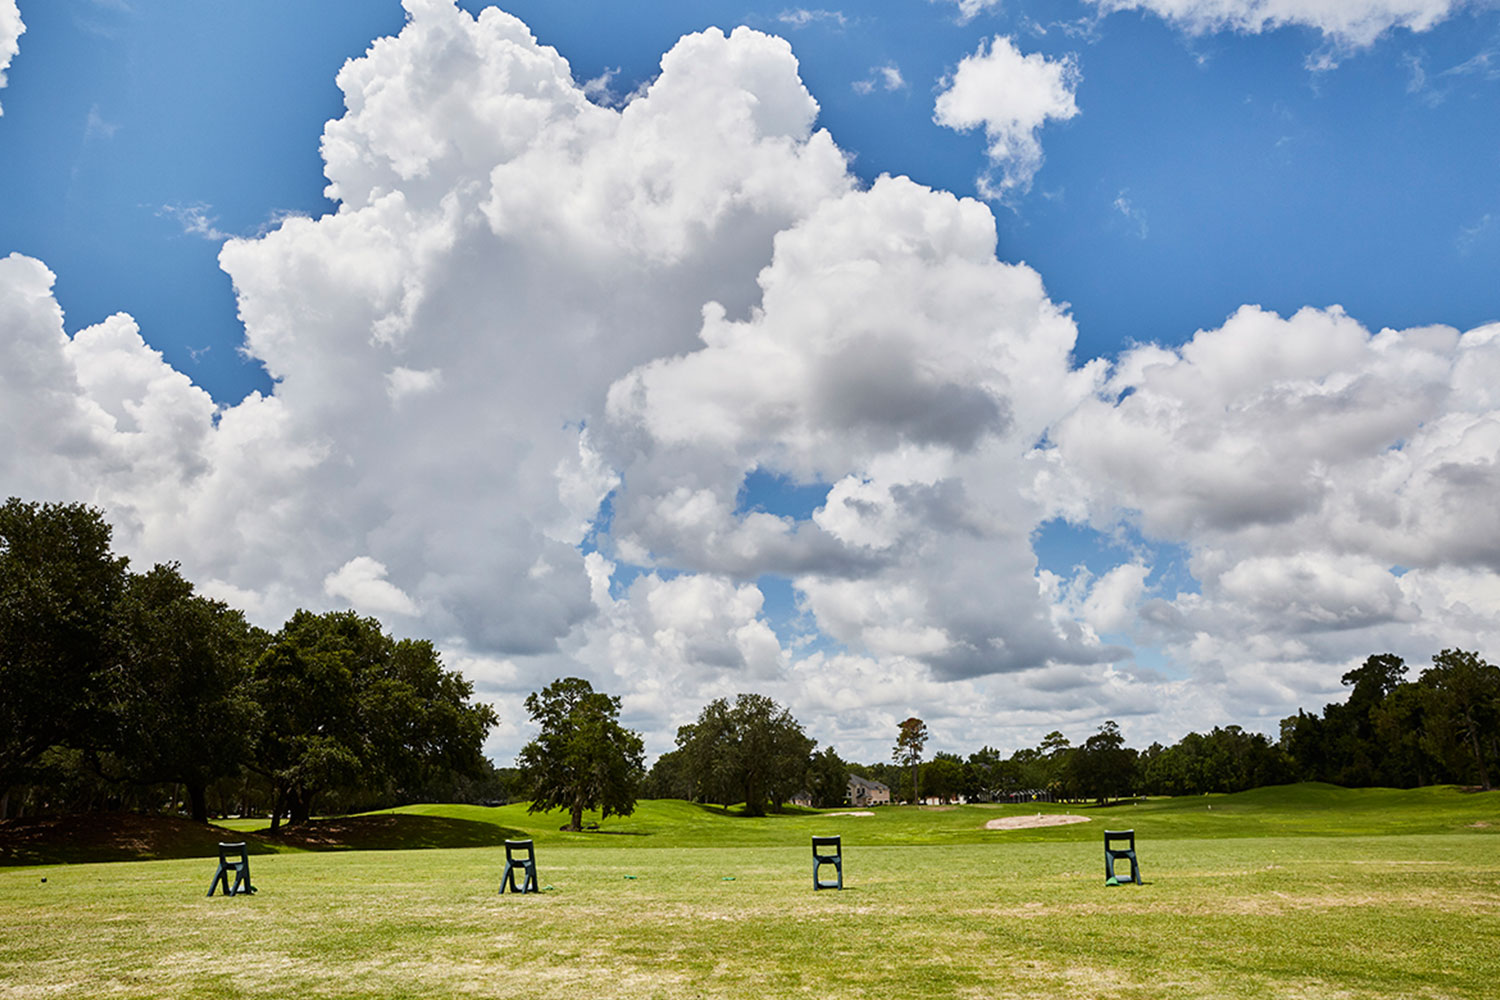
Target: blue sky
1211 162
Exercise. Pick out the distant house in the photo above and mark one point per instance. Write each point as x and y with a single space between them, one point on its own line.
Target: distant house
803 798
864 792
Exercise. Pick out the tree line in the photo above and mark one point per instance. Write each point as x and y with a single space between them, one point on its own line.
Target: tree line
1443 727
116 685
120 688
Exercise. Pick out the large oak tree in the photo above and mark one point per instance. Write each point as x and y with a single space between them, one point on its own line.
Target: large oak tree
582 759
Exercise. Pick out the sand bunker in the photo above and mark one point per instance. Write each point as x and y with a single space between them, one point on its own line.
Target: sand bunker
863 812
1032 822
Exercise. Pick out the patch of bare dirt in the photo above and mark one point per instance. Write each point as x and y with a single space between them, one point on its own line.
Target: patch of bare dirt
860 812
1032 822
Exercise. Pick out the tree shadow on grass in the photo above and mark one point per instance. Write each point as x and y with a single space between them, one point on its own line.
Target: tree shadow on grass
88 838
738 811
390 832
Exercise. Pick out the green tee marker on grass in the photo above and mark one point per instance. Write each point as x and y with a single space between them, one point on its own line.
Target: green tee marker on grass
828 851
229 863
1113 854
520 856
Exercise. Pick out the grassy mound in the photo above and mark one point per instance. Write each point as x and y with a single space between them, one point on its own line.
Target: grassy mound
1304 810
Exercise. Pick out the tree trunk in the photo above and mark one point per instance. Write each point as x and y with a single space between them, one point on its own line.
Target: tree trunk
198 801
276 798
575 818
301 809
1484 772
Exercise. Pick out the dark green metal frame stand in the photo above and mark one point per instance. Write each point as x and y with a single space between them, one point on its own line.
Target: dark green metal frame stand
1112 854
514 862
240 866
824 857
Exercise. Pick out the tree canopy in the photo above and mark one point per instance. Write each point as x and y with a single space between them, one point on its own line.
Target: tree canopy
59 583
342 701
582 759
180 703
752 751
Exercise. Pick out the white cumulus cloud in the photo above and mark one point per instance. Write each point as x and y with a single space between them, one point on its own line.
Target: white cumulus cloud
1011 96
526 370
11 30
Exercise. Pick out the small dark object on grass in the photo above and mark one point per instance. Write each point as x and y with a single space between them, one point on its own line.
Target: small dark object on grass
520 856
1113 854
229 863
821 856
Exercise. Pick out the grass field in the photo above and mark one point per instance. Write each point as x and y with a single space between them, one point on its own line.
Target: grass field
1305 891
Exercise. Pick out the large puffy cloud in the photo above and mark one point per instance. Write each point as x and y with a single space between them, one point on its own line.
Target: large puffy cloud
503 251
894 357
536 327
1333 488
1011 96
11 29
1354 23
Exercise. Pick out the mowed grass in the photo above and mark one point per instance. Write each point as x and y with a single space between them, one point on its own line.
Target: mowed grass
1413 912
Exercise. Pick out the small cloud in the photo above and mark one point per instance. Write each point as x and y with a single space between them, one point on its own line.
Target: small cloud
278 216
1416 82
1347 25
1484 66
361 581
1011 96
1470 236
96 127
801 17
195 221
402 382
598 89
11 30
970 9
887 77
1132 214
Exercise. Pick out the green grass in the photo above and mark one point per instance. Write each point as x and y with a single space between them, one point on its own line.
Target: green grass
1306 891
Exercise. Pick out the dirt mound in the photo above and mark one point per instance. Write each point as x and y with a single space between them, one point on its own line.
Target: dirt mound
1032 822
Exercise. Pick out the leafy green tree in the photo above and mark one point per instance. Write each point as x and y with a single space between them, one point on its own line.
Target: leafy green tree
419 721
752 751
1103 767
668 778
1399 724
1461 714
1053 754
828 779
582 759
342 703
1357 756
911 737
58 586
987 775
1304 740
180 703
943 776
